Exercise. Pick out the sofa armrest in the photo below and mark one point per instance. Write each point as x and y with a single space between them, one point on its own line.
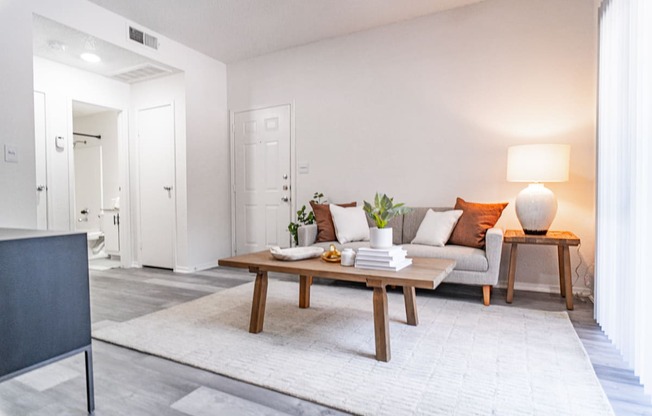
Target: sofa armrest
307 235
494 248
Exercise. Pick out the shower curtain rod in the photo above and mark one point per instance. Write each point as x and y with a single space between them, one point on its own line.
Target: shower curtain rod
97 136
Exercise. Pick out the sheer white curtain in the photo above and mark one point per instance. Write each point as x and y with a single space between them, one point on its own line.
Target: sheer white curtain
624 207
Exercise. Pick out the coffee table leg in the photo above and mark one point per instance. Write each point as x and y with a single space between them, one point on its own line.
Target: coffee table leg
304 291
258 304
381 322
512 273
409 293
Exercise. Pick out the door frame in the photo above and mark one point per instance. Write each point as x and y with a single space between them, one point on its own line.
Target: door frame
126 243
46 160
293 163
175 233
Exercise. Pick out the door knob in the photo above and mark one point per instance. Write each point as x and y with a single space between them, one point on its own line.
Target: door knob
167 188
40 188
285 199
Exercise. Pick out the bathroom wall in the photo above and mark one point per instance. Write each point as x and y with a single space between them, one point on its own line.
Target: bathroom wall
106 125
88 187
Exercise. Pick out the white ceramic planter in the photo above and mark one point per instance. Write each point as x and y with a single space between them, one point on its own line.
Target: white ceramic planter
380 237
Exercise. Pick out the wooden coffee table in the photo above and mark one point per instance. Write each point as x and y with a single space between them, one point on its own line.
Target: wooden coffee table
424 273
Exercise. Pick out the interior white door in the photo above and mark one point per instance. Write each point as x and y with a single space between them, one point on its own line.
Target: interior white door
262 178
156 169
41 162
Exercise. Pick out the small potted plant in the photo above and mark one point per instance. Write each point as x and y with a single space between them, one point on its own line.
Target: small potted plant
303 218
382 210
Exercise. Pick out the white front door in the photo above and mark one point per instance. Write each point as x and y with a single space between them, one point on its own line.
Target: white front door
156 169
262 178
41 162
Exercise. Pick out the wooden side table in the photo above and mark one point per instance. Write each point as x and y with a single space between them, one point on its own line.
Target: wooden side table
561 239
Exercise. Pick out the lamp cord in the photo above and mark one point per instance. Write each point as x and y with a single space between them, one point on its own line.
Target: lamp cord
587 283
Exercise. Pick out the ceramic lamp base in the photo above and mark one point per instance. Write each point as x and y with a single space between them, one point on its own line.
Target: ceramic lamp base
536 207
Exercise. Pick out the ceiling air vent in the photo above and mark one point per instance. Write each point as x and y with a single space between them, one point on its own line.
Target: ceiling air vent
143 38
140 73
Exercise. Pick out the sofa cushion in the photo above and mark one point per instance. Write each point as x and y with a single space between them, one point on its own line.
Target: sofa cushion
436 228
475 221
468 258
350 224
325 227
412 220
355 245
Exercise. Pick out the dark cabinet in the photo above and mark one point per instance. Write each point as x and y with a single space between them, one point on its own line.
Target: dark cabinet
44 301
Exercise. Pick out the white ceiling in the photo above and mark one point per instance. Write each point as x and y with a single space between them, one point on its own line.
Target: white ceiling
115 60
80 109
233 30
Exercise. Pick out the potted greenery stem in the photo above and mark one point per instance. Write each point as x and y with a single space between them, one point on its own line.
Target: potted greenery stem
382 210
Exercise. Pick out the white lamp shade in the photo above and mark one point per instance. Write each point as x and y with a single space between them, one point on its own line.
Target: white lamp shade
538 163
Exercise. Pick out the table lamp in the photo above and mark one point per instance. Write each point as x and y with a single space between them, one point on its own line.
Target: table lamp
536 205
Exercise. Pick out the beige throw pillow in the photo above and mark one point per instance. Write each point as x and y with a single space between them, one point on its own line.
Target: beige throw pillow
350 224
437 227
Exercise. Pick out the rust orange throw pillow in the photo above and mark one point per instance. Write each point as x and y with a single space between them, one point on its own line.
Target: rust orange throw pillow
476 219
325 226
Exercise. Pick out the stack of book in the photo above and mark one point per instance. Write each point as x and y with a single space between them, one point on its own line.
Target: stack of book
392 258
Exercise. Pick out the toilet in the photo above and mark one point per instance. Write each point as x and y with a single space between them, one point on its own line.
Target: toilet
95 244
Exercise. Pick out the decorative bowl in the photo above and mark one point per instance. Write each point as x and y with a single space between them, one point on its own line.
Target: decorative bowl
332 255
335 259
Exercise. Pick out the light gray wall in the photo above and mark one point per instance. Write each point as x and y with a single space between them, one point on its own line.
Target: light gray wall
17 180
424 110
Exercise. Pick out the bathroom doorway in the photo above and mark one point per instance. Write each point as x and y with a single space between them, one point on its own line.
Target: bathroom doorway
97 181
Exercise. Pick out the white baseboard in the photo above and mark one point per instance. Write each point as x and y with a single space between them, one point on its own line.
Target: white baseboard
544 288
198 268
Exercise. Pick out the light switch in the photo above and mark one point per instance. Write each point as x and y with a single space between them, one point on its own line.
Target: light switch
304 168
11 154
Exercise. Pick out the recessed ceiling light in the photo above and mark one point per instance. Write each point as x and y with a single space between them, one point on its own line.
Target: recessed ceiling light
90 57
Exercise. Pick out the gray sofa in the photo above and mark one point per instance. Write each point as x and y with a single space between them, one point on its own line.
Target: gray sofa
474 266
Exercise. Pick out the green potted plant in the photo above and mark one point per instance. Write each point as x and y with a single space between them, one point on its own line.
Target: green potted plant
382 210
303 218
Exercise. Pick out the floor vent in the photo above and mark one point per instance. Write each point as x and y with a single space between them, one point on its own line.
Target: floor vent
140 73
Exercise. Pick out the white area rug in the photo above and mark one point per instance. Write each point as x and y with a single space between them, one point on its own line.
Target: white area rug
462 359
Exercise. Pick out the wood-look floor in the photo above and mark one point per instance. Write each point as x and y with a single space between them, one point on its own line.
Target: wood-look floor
131 383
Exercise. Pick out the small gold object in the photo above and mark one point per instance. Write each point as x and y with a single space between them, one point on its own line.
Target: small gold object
333 254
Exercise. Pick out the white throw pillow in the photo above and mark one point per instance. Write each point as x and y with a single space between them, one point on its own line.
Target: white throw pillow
350 224
437 227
